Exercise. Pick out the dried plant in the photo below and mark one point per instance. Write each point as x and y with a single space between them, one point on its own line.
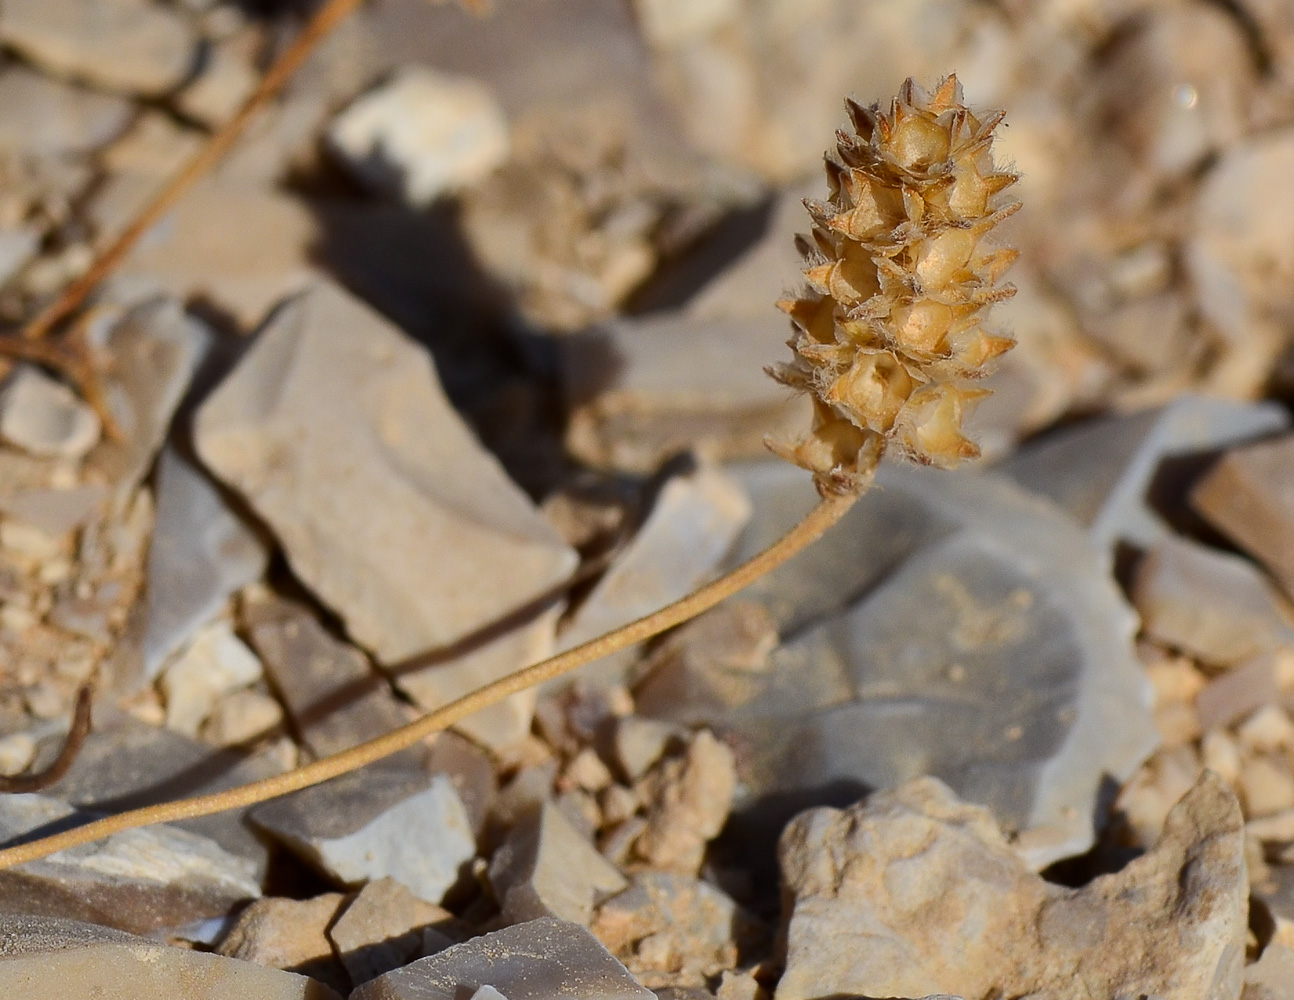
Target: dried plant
889 336
888 339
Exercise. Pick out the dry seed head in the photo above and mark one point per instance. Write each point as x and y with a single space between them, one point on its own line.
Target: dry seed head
889 335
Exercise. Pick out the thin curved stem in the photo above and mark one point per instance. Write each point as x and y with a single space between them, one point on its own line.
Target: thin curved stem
822 517
331 14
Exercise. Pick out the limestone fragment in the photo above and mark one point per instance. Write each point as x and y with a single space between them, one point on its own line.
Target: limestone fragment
1103 472
547 869
43 958
156 348
537 960
1272 976
1237 693
1216 607
951 625
242 717
946 906
288 934
694 521
1249 495
333 413
44 117
333 695
137 880
386 927
201 552
245 269
44 417
382 820
128 45
125 764
421 134
688 799
675 930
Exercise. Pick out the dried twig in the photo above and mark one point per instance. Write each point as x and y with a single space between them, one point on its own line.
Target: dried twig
827 513
76 735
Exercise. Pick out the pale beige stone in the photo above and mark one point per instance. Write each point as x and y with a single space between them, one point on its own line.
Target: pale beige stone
1272 976
129 45
547 869
241 717
688 799
385 927
421 135
332 414
1266 786
288 934
52 959
1267 730
913 893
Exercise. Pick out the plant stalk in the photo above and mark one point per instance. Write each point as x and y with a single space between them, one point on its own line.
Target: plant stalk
822 517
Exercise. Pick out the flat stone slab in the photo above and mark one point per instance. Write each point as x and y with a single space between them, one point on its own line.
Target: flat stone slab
200 553
913 893
951 625
137 880
545 959
42 958
382 820
1117 475
333 413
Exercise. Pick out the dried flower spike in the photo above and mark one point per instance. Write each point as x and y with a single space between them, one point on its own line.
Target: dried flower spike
889 335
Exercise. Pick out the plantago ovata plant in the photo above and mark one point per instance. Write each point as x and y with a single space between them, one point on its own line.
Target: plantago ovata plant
888 342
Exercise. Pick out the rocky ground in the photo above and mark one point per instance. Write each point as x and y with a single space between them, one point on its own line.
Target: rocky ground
481 305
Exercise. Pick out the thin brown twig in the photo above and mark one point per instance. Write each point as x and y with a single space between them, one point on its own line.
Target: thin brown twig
76 735
331 14
822 517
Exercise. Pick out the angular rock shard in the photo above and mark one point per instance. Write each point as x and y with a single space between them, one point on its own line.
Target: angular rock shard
544 959
912 893
333 414
383 820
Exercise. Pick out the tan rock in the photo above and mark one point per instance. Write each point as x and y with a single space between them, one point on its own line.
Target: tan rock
386 927
129 45
50 959
547 869
1249 494
688 800
334 413
912 893
288 934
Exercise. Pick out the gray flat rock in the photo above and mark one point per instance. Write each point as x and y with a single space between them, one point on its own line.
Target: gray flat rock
1249 496
382 820
156 347
127 45
126 764
42 958
334 697
137 880
545 959
201 552
951 625
1116 475
944 905
332 414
